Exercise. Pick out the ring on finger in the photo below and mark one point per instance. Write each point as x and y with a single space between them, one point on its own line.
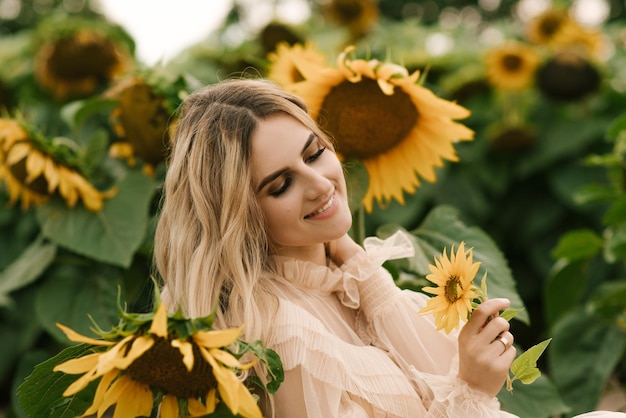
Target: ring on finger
504 341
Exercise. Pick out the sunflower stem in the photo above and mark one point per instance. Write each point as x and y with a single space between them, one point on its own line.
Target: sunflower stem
358 224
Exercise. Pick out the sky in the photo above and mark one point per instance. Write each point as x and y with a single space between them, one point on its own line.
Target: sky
168 26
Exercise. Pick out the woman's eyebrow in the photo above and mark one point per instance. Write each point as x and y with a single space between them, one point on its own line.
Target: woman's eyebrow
273 176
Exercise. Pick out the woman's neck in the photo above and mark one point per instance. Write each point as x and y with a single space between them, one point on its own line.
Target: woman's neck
313 253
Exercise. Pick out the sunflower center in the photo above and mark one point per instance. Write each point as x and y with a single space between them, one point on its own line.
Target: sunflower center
83 55
550 26
162 367
454 288
512 63
364 121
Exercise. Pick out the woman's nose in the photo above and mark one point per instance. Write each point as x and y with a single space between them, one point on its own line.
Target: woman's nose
317 184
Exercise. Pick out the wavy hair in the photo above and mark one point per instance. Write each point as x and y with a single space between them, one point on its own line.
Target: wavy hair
211 245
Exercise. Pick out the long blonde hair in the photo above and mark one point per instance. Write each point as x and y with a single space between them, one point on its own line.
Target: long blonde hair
211 245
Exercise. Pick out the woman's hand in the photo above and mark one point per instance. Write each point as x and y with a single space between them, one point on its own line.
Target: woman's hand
342 249
485 348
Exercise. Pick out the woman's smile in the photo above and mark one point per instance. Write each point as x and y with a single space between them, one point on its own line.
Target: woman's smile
323 210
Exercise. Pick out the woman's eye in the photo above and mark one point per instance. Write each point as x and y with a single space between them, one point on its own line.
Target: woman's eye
316 155
282 188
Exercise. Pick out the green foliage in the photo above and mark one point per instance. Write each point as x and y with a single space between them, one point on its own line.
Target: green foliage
544 210
51 403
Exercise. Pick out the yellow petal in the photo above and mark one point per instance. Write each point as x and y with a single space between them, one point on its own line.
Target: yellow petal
66 186
217 338
78 365
78 338
101 390
35 163
80 383
228 359
159 322
186 350
248 407
139 346
169 407
17 153
227 382
198 409
51 174
132 399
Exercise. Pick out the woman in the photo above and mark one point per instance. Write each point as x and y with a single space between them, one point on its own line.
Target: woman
256 219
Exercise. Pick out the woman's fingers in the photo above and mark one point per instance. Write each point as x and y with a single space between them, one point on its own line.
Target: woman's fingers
486 311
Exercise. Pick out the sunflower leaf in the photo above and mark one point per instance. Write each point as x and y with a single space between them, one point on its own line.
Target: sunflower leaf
509 314
41 393
524 367
26 269
111 235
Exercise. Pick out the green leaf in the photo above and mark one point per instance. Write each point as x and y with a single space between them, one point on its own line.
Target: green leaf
577 245
85 291
564 288
509 314
41 394
616 213
524 367
584 352
616 127
539 400
75 113
443 228
615 247
111 235
26 269
273 363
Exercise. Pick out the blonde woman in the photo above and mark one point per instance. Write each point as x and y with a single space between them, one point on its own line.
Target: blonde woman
255 219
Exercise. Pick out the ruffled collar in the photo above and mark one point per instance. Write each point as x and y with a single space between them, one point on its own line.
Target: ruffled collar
343 279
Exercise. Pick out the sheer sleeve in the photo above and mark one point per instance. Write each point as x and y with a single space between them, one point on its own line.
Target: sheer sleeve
390 317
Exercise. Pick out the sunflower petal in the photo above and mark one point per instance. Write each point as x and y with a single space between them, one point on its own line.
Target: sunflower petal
169 407
159 322
78 365
186 350
78 338
101 390
198 409
217 338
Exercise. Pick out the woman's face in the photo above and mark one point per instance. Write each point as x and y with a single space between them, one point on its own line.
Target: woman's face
300 187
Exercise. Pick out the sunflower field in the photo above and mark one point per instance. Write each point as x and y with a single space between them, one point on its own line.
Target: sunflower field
497 124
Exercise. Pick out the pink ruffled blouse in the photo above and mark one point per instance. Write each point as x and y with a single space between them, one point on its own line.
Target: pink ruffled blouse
353 344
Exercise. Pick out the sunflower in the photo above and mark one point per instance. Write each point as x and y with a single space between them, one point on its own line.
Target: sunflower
35 168
555 29
194 367
75 63
282 63
357 15
455 289
511 66
376 112
142 120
